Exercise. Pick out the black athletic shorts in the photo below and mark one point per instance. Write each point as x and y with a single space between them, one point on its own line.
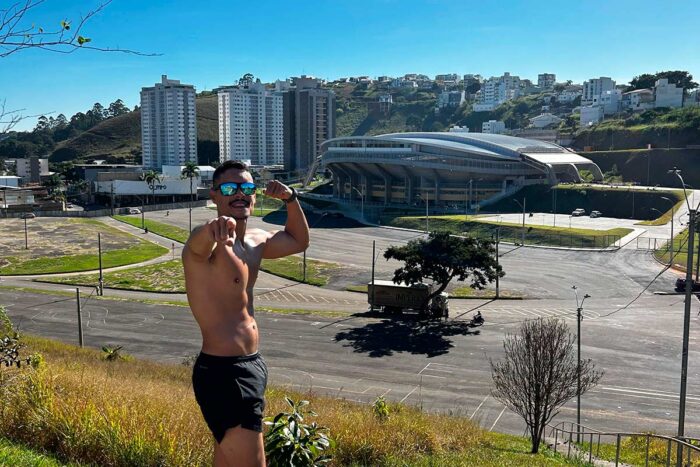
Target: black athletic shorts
230 391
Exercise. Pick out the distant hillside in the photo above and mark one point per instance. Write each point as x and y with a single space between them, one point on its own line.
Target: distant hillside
119 138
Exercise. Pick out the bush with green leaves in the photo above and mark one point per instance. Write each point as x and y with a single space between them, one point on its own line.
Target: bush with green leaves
291 441
380 408
112 354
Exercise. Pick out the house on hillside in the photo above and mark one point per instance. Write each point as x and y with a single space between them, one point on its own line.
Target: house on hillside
544 120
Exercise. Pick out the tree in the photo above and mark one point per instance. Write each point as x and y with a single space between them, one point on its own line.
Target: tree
680 78
117 108
443 257
151 177
190 170
539 373
54 184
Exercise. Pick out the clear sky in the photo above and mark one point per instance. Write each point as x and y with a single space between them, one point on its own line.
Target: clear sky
212 43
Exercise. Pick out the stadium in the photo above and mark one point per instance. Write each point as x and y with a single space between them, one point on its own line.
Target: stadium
446 170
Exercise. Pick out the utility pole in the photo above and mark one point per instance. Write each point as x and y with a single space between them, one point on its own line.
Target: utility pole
498 239
304 268
26 238
426 213
554 210
112 196
99 256
374 257
80 317
579 318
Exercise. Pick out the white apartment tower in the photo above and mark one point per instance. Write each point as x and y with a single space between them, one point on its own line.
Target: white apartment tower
168 124
251 124
546 80
497 90
594 88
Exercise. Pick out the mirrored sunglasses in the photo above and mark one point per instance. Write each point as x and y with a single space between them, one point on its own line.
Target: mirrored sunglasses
230 188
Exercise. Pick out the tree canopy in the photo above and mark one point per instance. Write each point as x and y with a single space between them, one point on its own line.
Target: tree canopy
443 257
677 77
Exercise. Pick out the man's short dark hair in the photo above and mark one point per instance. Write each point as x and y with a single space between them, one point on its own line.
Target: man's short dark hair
227 165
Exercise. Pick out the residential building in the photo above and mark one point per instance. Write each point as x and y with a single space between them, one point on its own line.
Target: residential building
459 129
693 99
497 90
9 180
451 77
591 114
495 127
11 196
637 100
450 99
31 169
593 88
168 124
384 79
667 94
309 120
251 124
546 80
544 120
403 83
569 94
611 101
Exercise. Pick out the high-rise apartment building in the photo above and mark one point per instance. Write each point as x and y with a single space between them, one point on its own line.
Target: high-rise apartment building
309 120
593 88
497 90
251 124
546 80
168 124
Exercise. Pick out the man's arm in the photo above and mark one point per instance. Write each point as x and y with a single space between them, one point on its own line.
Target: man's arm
203 238
295 236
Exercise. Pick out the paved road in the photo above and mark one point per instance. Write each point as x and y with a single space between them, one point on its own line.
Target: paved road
439 366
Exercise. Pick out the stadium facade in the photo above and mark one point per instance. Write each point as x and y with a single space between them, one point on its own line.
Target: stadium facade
446 169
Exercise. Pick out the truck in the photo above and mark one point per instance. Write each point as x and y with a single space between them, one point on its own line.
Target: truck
390 297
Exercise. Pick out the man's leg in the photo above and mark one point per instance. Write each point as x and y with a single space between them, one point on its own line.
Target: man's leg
240 448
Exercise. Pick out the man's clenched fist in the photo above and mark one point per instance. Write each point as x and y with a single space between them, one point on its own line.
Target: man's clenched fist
278 190
222 229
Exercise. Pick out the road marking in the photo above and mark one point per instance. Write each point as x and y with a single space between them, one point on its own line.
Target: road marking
497 419
477 409
406 396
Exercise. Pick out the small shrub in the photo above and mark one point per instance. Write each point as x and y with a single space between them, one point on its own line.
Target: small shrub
112 354
290 441
380 408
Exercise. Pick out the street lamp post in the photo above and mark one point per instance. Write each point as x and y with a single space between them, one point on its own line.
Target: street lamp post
522 206
579 318
673 207
686 317
26 238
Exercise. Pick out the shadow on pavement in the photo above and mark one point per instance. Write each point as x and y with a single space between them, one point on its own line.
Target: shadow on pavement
316 221
404 334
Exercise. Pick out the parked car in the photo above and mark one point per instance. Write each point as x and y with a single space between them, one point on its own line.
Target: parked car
596 214
578 212
134 211
680 285
28 215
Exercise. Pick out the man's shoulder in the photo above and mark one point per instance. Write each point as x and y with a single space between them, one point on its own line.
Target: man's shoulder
258 235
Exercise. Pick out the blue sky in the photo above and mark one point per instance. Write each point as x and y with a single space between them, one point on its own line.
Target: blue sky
211 43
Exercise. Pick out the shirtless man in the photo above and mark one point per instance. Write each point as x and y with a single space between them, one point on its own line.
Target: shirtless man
221 261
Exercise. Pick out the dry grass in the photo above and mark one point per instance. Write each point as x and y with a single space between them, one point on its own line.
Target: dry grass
88 410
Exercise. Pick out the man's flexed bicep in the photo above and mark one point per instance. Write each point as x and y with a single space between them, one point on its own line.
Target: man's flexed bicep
280 243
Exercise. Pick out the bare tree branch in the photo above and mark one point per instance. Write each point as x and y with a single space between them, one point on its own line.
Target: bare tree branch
17 35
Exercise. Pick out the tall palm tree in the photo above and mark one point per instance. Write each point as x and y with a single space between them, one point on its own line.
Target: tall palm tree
151 177
190 170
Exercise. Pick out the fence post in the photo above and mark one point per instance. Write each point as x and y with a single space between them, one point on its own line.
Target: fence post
556 438
617 451
668 453
646 455
590 450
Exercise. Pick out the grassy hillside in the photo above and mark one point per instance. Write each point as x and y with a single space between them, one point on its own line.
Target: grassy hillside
119 138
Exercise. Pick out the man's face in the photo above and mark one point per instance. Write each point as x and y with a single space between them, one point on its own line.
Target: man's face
238 205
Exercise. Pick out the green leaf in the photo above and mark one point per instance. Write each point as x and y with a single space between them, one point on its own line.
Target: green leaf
83 40
65 25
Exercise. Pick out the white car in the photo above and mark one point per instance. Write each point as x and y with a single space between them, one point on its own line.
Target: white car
578 212
596 214
134 211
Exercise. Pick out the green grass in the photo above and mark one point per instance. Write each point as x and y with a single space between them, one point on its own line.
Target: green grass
144 251
633 451
291 268
666 217
168 276
19 456
75 404
680 250
535 235
158 228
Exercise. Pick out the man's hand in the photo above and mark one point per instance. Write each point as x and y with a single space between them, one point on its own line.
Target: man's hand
222 229
278 190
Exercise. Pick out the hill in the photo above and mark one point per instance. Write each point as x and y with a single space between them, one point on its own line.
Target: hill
118 139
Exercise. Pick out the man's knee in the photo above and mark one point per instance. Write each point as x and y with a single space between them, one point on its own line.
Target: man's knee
243 447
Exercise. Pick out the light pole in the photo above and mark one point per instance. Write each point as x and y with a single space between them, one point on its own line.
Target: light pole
426 210
686 317
579 318
554 210
522 206
362 197
26 238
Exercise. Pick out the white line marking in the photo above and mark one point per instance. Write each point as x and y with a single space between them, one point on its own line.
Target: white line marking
477 409
406 396
499 417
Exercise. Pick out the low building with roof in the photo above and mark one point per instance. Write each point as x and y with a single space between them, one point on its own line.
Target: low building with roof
446 168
